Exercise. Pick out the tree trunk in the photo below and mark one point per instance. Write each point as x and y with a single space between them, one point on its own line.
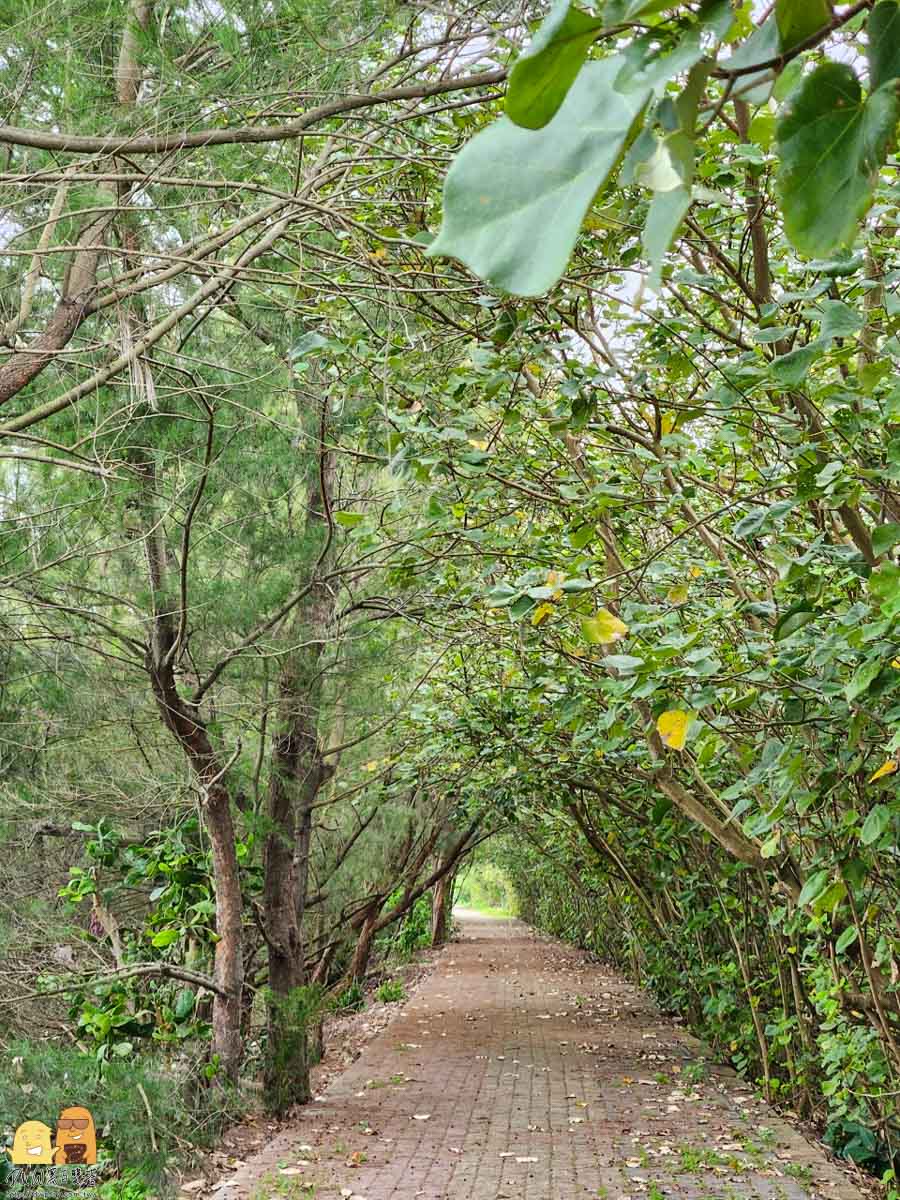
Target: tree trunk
192 736
296 774
128 67
286 1075
227 1046
183 720
359 964
286 1071
440 909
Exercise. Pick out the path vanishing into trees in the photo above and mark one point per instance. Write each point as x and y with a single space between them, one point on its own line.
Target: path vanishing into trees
519 1069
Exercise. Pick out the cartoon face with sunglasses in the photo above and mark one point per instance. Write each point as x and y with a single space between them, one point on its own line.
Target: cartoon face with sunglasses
76 1140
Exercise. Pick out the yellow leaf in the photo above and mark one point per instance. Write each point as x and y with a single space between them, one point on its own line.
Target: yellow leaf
895 663
541 613
554 578
886 768
667 424
696 572
372 766
672 727
603 628
677 594
478 443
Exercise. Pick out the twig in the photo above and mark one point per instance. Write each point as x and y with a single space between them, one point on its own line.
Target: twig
149 1118
164 970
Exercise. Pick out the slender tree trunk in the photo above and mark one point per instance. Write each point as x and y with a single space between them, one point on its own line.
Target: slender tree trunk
184 722
286 1076
179 716
440 909
190 732
128 67
359 964
296 775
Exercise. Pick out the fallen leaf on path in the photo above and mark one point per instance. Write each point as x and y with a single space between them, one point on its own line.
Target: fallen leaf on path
526 1158
194 1185
290 1170
421 1116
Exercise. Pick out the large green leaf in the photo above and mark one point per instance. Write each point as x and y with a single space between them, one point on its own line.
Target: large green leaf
862 680
884 43
514 198
885 537
164 938
543 74
789 370
839 319
646 68
617 12
793 620
667 211
799 19
813 887
875 824
831 142
762 46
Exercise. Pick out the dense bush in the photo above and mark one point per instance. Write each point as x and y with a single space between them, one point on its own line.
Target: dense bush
40 1079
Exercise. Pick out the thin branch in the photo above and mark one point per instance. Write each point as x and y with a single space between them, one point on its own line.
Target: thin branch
168 142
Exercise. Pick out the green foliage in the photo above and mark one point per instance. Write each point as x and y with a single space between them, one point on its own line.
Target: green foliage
517 228
543 74
414 931
798 20
861 1145
616 575
45 1079
883 46
117 1015
391 991
486 886
286 1054
831 140
129 1187
352 999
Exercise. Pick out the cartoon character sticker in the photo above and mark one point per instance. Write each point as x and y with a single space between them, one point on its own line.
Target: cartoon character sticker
32 1144
76 1141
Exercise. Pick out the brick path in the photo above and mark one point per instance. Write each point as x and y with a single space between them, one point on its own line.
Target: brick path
519 1071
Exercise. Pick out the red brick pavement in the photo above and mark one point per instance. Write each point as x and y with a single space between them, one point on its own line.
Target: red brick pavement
520 1071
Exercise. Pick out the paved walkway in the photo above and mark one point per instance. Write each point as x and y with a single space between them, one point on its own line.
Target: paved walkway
520 1072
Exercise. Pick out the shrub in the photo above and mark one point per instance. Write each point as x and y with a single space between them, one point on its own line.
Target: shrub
46 1078
391 991
352 999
